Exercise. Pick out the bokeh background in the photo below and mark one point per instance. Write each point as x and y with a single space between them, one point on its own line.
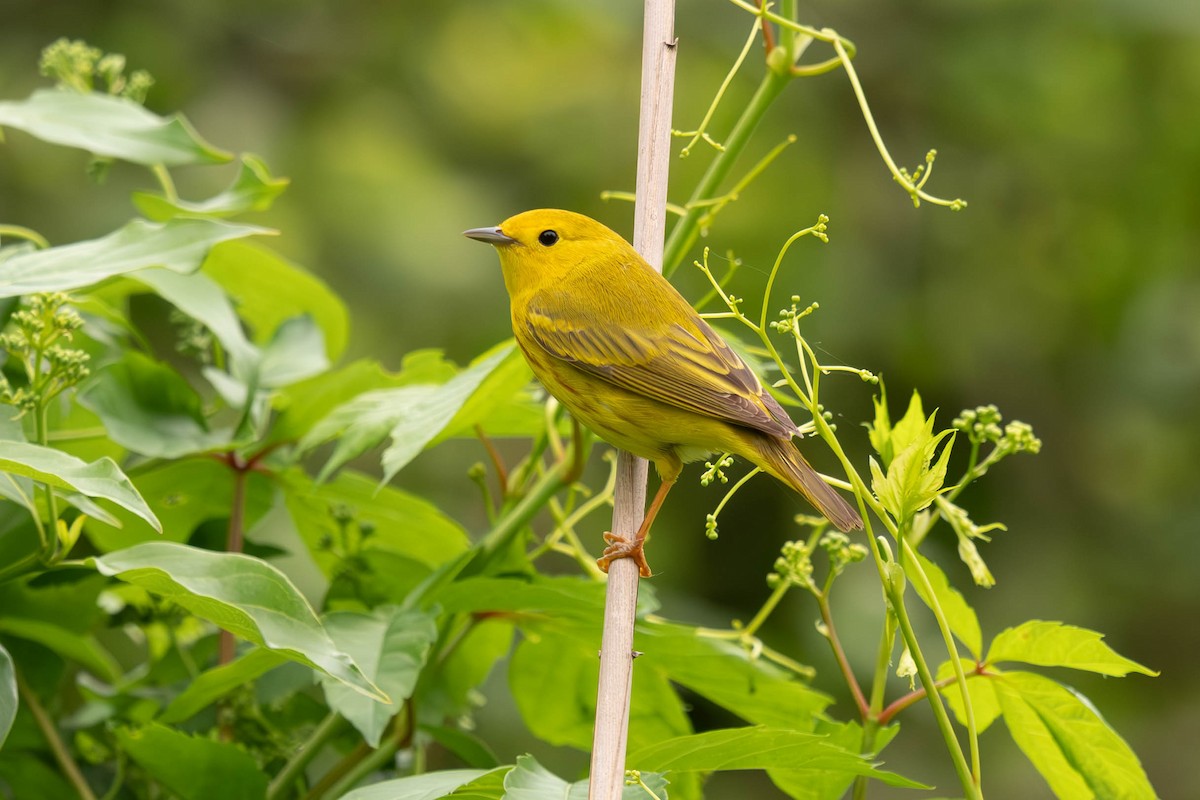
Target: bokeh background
1068 293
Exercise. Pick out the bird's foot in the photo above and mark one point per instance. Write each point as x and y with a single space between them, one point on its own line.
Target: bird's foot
620 547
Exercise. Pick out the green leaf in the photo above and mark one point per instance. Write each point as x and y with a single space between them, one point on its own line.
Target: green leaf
68 601
879 431
213 684
301 405
430 786
268 290
102 478
961 618
194 767
201 298
404 524
758 748
296 352
726 674
413 416
109 126
31 777
390 647
913 480
889 441
495 394
240 594
529 780
253 190
451 690
810 784
149 408
984 704
80 648
1072 747
913 427
468 747
182 494
574 598
487 787
8 694
553 678
179 245
1054 644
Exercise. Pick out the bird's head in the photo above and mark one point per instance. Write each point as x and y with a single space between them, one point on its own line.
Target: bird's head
540 248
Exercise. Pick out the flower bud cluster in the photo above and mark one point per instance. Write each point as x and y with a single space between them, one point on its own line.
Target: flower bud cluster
715 470
194 340
980 425
76 65
34 340
983 424
790 317
841 551
794 566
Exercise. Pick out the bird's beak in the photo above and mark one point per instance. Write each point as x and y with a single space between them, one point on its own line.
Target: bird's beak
489 235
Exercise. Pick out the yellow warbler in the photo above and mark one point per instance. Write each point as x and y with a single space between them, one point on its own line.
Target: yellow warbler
631 359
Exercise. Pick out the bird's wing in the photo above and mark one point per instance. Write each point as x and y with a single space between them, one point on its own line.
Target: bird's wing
694 370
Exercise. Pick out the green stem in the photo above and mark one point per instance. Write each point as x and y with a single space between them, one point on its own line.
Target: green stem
952 651
294 768
767 608
971 790
686 230
376 758
118 780
872 723
27 234
515 519
164 180
23 565
363 768
50 537
77 435
46 726
338 771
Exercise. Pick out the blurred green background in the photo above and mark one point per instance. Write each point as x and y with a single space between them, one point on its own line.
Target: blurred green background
1068 293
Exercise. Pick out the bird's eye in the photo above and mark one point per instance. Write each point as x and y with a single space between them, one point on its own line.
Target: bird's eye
548 238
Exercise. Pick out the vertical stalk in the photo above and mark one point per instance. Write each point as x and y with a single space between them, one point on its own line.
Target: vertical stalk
971 790
616 649
687 229
235 540
883 659
283 782
49 534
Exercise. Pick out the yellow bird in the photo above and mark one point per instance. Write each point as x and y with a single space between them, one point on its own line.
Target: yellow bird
630 358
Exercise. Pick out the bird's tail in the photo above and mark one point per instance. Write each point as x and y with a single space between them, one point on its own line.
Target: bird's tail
780 458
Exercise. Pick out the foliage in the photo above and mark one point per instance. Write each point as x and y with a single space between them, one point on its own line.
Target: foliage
200 596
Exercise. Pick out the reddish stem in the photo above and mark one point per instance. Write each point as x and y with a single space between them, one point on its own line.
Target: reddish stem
768 34
235 541
901 703
497 462
864 708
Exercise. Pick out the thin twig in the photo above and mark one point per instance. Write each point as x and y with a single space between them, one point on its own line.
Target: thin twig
840 654
46 726
497 461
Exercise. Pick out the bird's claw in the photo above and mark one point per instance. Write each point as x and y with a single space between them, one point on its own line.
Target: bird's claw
620 547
